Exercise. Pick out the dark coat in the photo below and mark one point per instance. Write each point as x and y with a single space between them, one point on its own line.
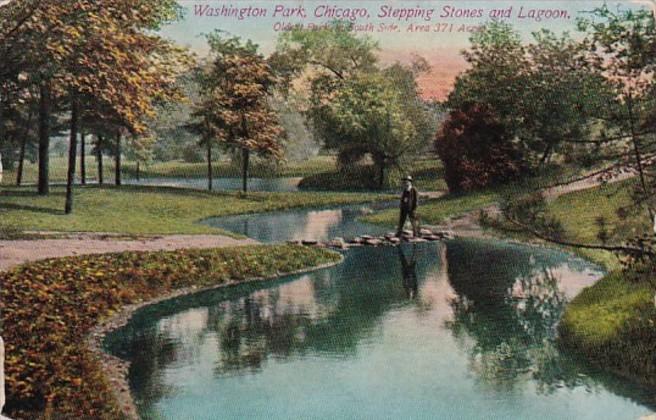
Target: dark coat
409 200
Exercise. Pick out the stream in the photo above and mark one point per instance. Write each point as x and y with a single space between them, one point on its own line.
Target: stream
449 330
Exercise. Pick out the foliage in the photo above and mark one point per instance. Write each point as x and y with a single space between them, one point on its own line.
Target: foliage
477 150
355 107
49 306
543 93
234 110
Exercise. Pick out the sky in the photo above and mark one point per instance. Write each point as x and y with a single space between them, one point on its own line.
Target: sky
435 30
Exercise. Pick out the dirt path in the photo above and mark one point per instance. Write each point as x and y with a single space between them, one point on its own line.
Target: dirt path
16 252
467 224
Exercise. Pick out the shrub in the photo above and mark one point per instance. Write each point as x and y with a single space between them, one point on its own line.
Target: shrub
477 150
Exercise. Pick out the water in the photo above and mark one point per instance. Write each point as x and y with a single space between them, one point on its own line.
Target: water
289 184
463 329
316 224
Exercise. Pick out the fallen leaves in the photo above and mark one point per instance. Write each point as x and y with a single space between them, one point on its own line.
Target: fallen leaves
51 305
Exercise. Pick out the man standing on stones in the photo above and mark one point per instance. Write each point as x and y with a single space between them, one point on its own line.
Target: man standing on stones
408 207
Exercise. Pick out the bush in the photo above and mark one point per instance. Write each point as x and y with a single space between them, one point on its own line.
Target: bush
477 150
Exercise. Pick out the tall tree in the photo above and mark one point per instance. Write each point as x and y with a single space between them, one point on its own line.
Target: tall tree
235 108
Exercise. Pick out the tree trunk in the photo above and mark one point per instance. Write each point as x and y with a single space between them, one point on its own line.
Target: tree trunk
117 160
83 156
21 157
245 155
44 139
72 151
209 166
99 158
546 155
21 162
138 175
381 176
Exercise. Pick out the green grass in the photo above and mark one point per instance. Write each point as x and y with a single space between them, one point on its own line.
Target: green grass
173 169
612 322
147 210
434 212
50 305
427 173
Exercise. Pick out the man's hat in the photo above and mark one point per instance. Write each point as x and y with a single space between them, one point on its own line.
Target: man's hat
407 178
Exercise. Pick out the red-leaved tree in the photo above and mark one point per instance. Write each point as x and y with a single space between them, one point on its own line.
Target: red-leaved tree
476 149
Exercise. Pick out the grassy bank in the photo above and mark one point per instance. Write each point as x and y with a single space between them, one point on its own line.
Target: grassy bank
612 323
436 211
174 169
147 210
49 306
428 175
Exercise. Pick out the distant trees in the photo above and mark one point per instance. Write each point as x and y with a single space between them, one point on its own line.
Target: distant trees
354 106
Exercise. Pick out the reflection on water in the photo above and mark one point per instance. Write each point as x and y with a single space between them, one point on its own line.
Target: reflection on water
320 224
475 340
289 184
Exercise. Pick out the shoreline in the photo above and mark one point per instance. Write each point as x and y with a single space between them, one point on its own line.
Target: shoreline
116 369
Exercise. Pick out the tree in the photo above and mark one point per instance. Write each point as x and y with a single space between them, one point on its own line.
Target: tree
621 48
355 107
543 93
234 110
475 146
376 114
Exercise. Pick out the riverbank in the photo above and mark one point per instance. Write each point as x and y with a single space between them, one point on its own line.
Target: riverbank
51 304
136 210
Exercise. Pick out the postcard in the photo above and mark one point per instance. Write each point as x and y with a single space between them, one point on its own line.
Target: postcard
309 209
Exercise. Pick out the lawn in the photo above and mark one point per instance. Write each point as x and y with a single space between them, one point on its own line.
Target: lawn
147 210
173 169
427 173
435 211
51 305
611 323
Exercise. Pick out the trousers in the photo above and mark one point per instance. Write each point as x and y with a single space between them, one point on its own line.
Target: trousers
414 221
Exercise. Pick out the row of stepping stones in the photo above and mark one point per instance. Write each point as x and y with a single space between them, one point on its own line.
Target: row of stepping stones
389 239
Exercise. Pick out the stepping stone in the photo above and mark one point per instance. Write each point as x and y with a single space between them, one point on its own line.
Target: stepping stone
356 240
373 242
309 242
394 241
366 237
337 243
425 232
417 240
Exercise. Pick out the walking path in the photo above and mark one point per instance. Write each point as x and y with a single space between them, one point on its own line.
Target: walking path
467 224
15 252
